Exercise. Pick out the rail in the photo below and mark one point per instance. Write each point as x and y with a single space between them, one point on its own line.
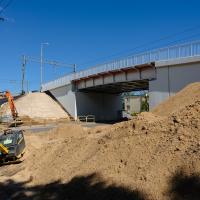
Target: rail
185 50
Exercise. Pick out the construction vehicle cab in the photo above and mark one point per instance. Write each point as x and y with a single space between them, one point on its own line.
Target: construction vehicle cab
12 146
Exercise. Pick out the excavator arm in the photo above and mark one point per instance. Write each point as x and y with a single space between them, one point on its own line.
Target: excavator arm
11 103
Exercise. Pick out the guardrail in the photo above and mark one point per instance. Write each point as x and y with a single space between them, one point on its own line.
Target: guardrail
163 54
87 118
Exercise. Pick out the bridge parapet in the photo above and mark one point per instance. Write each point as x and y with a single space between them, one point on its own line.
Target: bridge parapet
185 50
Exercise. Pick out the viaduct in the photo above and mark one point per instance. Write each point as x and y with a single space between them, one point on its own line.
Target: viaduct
97 90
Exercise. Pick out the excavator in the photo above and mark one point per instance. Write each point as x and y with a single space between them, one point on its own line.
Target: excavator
16 120
12 146
12 143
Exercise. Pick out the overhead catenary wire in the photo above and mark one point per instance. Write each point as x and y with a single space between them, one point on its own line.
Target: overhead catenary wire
29 59
133 50
1 1
6 6
168 44
180 40
1 18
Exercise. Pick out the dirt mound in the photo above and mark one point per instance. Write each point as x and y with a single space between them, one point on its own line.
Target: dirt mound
187 96
150 157
38 105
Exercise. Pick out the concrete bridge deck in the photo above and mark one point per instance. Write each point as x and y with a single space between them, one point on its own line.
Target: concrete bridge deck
96 91
177 52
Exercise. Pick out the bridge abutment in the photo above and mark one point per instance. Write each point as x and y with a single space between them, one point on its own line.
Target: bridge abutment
105 107
171 77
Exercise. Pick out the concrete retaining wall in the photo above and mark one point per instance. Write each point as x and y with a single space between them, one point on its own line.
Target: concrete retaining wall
171 79
105 107
67 98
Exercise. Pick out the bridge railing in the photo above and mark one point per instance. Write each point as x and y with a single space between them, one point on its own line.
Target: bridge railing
186 50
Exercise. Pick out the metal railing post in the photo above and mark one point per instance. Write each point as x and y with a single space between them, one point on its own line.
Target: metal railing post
168 53
191 49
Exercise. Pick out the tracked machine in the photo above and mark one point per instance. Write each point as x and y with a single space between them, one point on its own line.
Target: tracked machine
12 146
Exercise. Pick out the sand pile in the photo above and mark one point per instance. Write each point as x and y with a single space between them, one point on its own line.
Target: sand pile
150 157
187 96
38 105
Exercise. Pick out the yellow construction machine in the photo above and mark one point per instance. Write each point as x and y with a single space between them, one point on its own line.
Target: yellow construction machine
12 146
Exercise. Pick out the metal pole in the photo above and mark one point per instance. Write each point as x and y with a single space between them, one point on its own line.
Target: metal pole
41 66
23 72
27 82
74 68
41 63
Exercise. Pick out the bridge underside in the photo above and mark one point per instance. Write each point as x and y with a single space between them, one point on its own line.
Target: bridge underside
116 88
119 81
100 95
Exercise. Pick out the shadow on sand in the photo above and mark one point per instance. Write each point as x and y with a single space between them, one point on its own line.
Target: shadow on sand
92 187
89 187
184 186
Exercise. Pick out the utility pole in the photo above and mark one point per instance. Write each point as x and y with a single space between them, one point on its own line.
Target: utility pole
41 63
27 86
23 72
74 68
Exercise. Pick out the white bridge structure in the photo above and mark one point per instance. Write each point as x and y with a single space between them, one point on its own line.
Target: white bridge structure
97 90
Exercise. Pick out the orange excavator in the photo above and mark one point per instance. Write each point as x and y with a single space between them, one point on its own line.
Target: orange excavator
10 99
11 104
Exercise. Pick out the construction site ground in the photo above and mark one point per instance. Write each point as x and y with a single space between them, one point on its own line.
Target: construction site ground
50 126
154 156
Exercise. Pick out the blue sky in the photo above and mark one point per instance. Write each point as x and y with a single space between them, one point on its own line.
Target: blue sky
88 32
